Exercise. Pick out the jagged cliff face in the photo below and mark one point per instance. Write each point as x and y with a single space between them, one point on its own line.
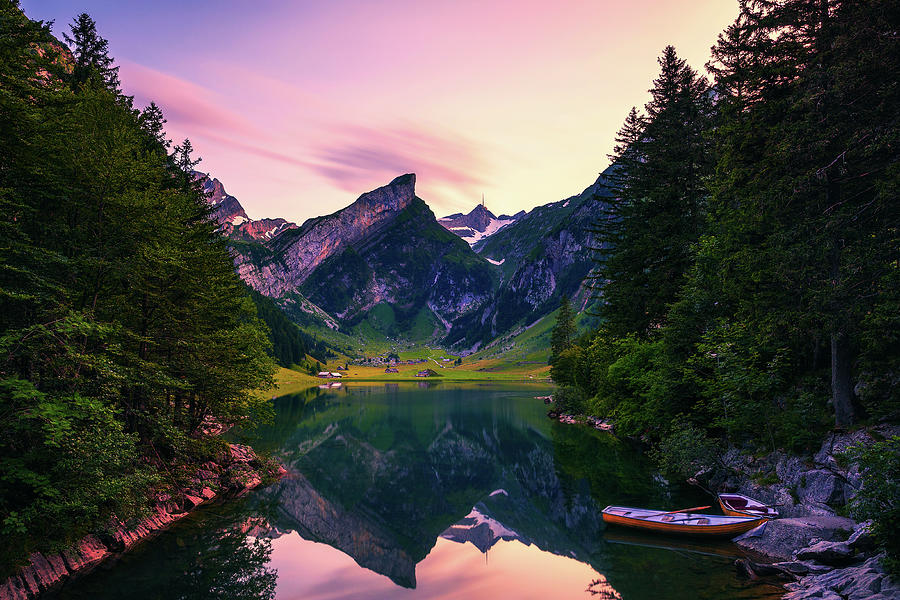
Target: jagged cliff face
387 252
299 252
231 216
386 249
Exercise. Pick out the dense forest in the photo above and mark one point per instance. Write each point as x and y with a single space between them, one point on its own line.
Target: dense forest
751 295
290 345
123 326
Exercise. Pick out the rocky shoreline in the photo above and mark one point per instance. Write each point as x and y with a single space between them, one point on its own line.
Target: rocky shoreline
820 553
814 551
239 471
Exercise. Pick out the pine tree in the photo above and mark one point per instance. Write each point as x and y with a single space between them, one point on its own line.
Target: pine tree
122 322
658 212
805 192
152 121
92 59
564 330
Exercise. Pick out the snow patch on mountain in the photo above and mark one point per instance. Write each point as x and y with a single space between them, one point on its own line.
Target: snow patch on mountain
477 225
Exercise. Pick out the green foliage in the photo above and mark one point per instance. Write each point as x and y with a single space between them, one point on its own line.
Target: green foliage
659 206
290 344
751 253
67 463
123 326
563 332
685 451
879 498
569 400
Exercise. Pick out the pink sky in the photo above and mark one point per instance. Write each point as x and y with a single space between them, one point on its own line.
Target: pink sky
300 107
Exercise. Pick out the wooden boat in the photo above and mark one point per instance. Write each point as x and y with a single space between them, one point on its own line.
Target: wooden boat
737 505
680 523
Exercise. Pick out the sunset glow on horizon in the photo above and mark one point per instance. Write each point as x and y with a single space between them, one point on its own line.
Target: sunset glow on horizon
298 108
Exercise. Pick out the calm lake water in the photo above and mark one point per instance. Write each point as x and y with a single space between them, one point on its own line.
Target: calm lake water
433 491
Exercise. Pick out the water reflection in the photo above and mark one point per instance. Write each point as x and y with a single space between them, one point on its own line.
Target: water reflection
445 492
212 556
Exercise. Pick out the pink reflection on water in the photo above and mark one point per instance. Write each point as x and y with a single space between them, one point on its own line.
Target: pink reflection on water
312 571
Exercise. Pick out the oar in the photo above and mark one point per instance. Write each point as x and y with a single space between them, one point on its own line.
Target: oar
675 511
681 510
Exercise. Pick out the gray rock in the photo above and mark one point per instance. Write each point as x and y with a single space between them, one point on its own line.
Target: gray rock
788 469
867 581
809 508
779 539
797 567
827 553
810 593
862 538
821 487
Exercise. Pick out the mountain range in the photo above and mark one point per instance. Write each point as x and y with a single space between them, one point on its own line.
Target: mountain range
386 264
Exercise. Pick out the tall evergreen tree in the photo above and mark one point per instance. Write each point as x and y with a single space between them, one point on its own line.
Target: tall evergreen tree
658 211
122 322
92 59
806 187
564 330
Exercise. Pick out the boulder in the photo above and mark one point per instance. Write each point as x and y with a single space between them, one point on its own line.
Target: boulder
809 508
797 567
788 469
862 539
820 487
14 589
241 453
192 501
827 553
85 555
779 539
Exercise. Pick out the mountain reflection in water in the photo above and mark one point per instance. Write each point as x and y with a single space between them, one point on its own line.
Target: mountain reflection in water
449 491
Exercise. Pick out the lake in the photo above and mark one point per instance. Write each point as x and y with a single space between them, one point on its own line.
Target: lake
430 491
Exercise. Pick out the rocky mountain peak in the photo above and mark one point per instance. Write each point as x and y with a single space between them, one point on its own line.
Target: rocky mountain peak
227 211
390 198
231 216
477 225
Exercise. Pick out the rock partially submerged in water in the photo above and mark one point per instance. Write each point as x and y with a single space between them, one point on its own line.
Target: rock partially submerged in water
779 539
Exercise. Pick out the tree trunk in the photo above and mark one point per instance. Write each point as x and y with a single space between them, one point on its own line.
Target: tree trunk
841 388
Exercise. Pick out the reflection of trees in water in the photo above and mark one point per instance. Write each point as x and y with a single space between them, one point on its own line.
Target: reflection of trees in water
206 557
234 568
616 472
601 587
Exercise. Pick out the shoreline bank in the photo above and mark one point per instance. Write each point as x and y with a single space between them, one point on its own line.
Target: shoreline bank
240 471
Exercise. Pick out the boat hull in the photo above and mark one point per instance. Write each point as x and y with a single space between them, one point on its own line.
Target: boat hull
752 508
691 524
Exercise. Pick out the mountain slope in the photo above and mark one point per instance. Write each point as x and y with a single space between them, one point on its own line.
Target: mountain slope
385 256
543 255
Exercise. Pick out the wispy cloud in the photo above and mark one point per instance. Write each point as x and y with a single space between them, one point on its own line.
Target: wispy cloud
354 157
184 103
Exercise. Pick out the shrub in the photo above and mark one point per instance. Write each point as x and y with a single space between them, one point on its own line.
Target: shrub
879 498
685 451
